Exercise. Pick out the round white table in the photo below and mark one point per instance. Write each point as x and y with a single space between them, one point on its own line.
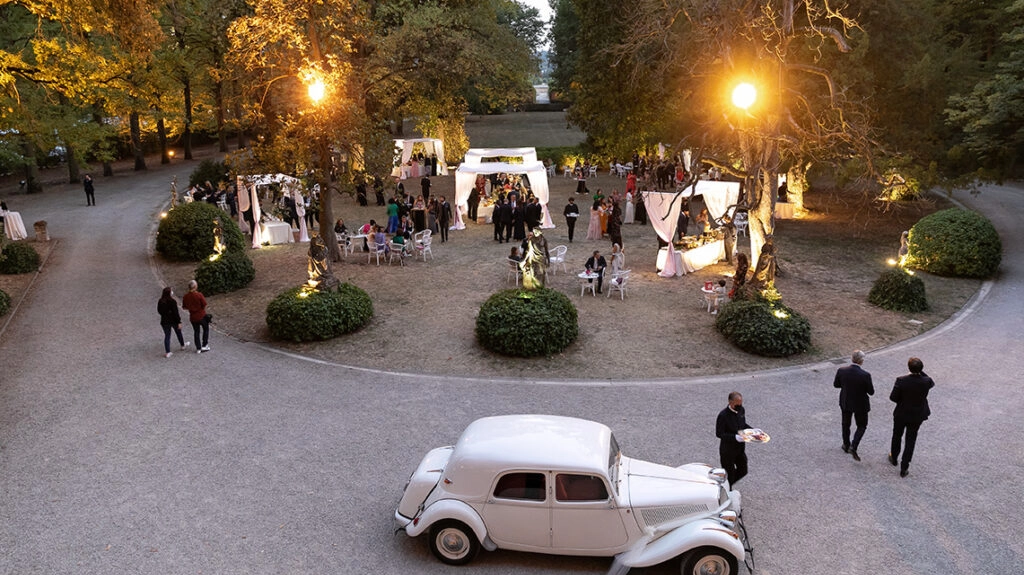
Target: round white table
14 228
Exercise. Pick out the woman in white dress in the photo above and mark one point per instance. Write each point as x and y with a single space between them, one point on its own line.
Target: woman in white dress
618 260
627 217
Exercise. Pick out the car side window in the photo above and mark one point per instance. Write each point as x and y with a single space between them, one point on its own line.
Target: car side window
573 487
529 486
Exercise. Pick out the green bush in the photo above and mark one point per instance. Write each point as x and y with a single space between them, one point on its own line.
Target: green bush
231 271
18 258
320 314
955 242
208 171
762 328
527 323
5 302
186 234
897 290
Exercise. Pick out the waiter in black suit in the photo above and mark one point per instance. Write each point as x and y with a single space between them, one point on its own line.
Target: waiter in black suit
732 451
910 394
855 386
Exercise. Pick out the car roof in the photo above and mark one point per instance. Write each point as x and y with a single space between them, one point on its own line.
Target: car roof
522 442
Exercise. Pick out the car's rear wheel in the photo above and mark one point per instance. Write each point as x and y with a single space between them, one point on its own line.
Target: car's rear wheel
453 542
709 561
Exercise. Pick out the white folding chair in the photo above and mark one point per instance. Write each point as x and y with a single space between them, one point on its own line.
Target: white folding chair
566 172
557 258
423 246
513 271
593 171
346 244
740 221
397 252
619 283
378 251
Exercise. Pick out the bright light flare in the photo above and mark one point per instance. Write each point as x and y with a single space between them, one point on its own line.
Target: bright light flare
781 314
317 90
891 261
163 215
744 95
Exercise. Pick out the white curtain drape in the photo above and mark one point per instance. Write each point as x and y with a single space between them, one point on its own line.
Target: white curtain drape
465 178
475 156
659 205
300 210
718 196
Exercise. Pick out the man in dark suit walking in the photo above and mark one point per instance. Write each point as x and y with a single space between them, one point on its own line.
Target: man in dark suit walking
732 450
910 394
444 218
855 386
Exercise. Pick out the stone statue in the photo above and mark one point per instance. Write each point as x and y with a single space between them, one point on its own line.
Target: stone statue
218 236
904 247
319 269
174 191
764 273
535 261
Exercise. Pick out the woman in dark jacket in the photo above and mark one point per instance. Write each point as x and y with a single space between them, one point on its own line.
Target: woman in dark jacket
170 319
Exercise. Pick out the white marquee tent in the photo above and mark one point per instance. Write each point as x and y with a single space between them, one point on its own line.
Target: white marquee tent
250 197
475 156
465 178
431 145
663 212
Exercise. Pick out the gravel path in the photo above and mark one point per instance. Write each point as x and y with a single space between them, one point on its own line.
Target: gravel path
116 460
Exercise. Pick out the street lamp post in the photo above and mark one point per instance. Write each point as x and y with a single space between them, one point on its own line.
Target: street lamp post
761 166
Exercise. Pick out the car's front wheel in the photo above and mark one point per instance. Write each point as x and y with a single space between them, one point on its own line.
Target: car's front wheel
709 561
453 542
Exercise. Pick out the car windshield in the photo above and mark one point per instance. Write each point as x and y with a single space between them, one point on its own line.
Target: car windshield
613 463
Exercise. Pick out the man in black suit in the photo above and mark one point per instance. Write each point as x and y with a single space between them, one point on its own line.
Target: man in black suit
855 386
534 214
473 205
571 212
910 394
444 218
425 189
732 450
596 263
507 216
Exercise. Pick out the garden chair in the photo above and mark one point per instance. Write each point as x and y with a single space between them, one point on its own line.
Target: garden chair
378 251
557 258
513 271
619 283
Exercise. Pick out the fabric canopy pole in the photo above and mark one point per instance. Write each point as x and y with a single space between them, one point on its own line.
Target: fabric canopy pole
475 156
465 178
252 198
663 213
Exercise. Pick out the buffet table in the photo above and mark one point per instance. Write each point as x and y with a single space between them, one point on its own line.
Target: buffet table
278 233
484 213
689 261
14 228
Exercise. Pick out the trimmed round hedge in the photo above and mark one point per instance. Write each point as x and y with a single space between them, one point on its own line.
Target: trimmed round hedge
527 323
763 328
231 271
18 258
897 290
186 234
5 302
955 242
320 314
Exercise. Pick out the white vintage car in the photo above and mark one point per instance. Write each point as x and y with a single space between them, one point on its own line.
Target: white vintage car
560 485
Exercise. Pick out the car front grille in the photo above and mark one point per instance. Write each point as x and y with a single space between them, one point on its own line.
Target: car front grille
655 516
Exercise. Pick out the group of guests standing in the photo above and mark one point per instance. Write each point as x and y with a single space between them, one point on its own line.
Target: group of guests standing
513 217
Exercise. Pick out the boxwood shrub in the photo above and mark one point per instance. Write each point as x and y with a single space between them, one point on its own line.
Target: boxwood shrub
897 290
763 328
18 258
320 314
231 271
186 234
527 323
5 302
208 171
955 242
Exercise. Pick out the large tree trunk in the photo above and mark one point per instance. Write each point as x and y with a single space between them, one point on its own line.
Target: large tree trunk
108 168
796 185
161 136
326 203
74 169
32 184
136 132
218 97
186 136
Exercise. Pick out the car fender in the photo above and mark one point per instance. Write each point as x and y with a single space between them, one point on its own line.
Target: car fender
703 533
451 509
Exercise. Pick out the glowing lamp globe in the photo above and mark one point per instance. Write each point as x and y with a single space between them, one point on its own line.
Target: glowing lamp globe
316 90
744 95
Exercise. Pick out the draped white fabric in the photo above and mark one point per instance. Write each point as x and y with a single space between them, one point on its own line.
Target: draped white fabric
248 195
465 178
475 156
300 210
663 213
431 145
718 196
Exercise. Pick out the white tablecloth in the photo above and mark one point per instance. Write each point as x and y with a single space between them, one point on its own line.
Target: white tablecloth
278 233
485 212
14 228
690 261
783 211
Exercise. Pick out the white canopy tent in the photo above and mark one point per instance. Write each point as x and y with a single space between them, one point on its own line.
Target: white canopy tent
250 197
475 156
465 178
663 212
430 145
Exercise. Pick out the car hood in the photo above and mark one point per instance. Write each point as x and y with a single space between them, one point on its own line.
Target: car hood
659 494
